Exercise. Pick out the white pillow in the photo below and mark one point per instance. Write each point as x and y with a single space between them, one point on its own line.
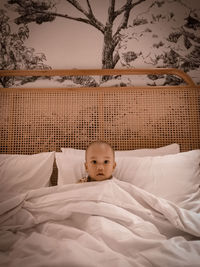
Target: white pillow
173 177
71 162
71 168
20 173
165 150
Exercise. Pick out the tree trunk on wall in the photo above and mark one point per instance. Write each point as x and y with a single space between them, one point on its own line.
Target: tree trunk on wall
108 49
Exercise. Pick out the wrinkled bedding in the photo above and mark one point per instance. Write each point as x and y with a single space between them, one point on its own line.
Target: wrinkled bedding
109 223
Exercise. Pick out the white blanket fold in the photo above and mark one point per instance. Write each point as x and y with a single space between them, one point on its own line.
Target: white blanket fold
110 223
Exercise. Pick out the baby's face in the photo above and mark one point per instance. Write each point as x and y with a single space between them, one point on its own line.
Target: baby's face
100 162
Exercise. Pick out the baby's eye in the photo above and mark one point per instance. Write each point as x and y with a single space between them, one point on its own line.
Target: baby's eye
94 162
106 161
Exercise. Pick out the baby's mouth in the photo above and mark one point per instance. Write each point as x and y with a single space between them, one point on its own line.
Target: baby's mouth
100 174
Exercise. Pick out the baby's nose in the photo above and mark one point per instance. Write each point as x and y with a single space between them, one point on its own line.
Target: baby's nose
100 167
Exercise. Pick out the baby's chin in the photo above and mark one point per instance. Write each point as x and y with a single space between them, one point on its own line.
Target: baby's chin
100 178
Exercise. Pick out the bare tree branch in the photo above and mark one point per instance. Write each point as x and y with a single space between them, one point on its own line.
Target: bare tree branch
77 5
116 39
126 8
52 14
123 8
111 11
137 3
89 8
66 16
91 18
115 59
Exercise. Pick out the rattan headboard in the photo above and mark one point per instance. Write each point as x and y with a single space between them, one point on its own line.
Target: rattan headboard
34 120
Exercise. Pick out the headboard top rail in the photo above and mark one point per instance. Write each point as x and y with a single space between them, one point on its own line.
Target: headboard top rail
99 72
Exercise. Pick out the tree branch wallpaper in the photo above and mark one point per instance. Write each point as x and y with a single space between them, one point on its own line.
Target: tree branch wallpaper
58 34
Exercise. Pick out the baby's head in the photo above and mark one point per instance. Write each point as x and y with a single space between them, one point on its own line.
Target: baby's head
100 161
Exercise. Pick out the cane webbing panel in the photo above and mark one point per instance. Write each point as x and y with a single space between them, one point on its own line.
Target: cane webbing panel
39 120
35 121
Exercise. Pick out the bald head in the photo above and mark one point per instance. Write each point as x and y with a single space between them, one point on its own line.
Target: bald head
99 145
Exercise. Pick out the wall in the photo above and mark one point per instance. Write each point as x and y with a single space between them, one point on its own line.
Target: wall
156 34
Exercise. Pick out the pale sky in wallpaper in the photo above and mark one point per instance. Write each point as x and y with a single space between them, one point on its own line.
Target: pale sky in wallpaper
77 44
63 40
72 44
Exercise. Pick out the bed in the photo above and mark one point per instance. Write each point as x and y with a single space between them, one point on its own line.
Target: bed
147 215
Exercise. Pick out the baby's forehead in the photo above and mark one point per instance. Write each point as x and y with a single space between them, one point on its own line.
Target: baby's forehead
97 149
99 146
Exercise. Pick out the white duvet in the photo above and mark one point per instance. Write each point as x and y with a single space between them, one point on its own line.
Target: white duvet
110 223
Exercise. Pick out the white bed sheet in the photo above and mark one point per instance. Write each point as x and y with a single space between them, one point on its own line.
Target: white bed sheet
110 223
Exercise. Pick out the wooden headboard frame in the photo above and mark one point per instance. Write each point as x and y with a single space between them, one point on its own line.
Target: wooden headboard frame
34 120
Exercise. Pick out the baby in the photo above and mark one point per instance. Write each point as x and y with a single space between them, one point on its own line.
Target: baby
99 162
